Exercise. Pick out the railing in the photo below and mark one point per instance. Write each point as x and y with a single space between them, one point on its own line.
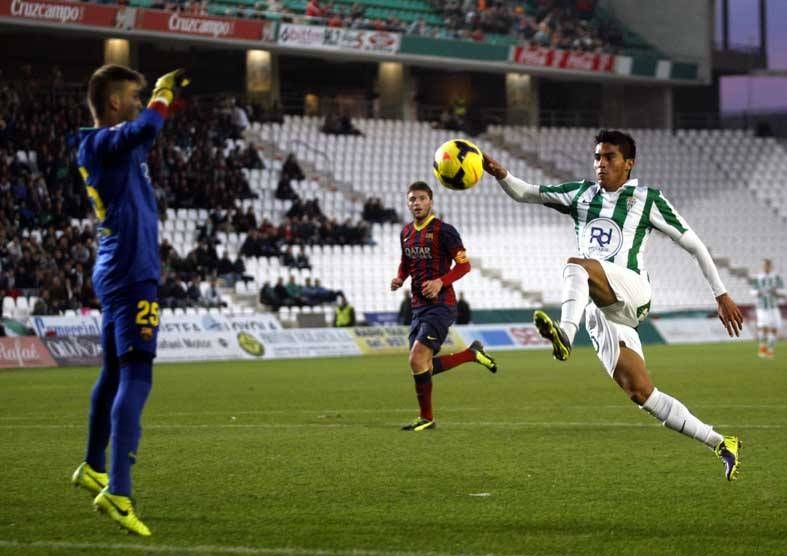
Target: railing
319 154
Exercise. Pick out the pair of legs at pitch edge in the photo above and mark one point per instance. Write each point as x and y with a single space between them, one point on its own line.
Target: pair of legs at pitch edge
584 281
115 410
767 338
424 364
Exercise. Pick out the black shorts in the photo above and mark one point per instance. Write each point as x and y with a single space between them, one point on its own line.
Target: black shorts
430 325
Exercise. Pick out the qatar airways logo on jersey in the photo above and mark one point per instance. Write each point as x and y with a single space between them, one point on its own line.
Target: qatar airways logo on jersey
601 238
418 252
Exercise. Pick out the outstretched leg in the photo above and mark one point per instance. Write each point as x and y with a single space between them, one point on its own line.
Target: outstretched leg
583 280
474 352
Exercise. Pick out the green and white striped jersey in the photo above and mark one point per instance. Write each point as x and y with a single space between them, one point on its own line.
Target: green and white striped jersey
767 288
614 226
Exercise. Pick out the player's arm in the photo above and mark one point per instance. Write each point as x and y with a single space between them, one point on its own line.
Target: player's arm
452 243
401 273
778 290
558 197
519 190
666 219
729 313
124 138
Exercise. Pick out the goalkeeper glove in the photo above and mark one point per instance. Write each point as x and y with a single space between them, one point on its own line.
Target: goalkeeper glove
166 86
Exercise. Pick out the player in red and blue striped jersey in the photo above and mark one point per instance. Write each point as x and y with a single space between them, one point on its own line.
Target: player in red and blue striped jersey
429 247
112 160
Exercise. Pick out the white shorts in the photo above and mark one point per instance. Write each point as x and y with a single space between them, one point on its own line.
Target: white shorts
769 318
633 293
607 337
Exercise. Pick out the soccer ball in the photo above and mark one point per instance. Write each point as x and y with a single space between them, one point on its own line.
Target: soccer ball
458 164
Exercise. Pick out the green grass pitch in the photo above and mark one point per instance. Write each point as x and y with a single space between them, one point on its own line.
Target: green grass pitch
305 457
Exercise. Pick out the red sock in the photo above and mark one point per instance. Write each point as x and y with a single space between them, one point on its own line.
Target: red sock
423 390
446 362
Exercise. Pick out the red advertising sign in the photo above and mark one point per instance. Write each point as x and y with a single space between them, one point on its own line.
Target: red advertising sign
533 55
24 351
65 13
201 26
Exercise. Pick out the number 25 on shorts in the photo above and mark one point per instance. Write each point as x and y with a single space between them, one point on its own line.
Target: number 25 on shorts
148 313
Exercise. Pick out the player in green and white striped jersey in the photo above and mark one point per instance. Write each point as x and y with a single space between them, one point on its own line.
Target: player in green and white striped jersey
769 288
613 219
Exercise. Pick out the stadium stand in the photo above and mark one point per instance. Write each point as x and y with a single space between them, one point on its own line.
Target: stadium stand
568 25
221 188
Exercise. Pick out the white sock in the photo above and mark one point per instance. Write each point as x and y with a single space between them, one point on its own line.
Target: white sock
576 294
677 417
771 341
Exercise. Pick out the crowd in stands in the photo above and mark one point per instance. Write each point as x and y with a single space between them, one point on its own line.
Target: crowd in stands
40 189
292 294
564 24
193 166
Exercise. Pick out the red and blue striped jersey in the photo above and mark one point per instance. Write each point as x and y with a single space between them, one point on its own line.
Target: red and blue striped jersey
427 253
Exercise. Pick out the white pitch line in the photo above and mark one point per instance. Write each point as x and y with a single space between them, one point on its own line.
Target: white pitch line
447 424
350 411
206 549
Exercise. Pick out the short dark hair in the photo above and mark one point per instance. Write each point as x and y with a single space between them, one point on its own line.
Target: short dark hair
105 81
624 141
420 186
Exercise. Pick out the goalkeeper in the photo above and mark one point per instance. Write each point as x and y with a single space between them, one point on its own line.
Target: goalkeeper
112 160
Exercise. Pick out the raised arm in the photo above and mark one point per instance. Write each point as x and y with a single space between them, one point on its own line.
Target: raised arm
127 136
519 190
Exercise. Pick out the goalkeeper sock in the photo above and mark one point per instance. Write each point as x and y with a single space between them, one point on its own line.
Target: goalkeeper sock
99 423
677 417
423 390
576 293
446 362
135 382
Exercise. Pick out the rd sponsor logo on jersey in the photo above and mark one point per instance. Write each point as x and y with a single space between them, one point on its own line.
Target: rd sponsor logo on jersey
601 239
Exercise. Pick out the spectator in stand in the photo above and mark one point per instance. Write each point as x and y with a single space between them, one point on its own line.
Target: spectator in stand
251 245
212 297
88 296
284 190
282 294
302 261
193 293
41 306
324 294
417 27
269 297
176 293
375 212
313 9
291 169
295 292
251 158
225 269
311 294
288 259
